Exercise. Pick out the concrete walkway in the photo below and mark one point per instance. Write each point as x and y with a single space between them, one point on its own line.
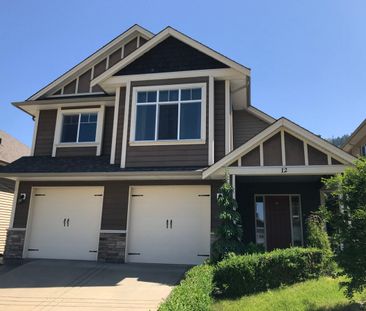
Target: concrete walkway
75 285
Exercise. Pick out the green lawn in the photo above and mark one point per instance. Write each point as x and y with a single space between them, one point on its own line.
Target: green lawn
322 294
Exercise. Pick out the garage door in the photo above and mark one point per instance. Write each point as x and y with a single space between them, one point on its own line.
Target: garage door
65 223
169 224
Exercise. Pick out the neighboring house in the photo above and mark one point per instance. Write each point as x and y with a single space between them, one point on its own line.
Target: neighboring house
131 146
356 143
10 150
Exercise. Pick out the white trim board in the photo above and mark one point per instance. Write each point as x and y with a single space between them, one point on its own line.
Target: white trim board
169 31
90 59
293 129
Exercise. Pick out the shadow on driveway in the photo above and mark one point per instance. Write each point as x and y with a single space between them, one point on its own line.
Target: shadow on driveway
61 273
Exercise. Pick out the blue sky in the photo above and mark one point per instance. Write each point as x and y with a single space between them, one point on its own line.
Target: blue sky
308 58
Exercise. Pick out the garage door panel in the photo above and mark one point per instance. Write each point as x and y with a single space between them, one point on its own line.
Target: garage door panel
187 210
65 223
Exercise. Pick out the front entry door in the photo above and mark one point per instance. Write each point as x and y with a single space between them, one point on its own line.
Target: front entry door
278 222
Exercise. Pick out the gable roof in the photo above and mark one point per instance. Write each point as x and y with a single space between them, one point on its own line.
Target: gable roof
161 36
11 149
90 59
356 136
267 132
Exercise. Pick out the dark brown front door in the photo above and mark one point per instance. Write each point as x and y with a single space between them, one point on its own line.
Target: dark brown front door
278 223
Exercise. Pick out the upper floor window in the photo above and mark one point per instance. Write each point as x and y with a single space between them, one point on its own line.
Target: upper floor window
77 128
169 113
363 150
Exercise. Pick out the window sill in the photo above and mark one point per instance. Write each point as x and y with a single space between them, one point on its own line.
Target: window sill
67 145
167 142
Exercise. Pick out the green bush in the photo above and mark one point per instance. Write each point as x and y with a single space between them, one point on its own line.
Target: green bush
317 237
241 275
229 231
348 191
193 293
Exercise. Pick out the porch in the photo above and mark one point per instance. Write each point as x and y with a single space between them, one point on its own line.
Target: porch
274 209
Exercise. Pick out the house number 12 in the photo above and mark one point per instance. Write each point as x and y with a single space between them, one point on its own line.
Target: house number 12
284 170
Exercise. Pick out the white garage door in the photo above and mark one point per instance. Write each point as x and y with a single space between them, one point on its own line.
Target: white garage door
169 224
65 223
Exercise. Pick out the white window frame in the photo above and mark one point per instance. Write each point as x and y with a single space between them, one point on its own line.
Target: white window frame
98 135
156 141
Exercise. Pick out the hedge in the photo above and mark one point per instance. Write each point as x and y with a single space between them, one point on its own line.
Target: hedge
193 293
242 275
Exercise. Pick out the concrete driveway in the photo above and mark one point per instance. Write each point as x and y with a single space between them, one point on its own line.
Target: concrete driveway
76 285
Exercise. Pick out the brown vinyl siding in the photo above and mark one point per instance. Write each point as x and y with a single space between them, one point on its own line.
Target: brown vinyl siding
115 201
70 88
219 96
121 113
317 157
272 154
130 47
107 131
84 82
336 162
115 57
294 150
252 158
246 126
98 70
45 132
75 151
169 155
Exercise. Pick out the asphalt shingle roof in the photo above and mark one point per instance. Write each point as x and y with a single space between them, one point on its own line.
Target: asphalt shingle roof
47 164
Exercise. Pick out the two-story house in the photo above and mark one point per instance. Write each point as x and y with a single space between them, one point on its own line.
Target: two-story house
131 145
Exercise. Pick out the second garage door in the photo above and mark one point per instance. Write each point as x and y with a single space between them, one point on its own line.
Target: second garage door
65 223
169 224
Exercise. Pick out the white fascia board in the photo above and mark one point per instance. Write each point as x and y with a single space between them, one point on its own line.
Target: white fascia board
161 37
218 74
34 106
316 140
292 128
93 57
260 114
238 151
156 175
313 170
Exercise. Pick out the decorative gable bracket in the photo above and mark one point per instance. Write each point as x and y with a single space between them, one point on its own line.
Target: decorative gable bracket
283 148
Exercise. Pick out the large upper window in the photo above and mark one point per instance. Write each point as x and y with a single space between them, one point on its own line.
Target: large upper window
77 128
169 114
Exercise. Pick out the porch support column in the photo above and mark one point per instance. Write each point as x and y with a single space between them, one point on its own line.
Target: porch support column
233 184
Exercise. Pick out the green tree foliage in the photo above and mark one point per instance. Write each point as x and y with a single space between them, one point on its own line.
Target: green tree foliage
317 237
229 232
349 223
339 141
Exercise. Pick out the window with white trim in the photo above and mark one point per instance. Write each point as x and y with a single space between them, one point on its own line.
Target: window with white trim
174 113
363 150
79 128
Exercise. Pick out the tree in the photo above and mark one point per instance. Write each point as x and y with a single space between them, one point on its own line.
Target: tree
339 141
229 232
349 223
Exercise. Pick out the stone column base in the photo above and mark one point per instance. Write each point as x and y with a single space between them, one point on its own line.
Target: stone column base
112 247
14 244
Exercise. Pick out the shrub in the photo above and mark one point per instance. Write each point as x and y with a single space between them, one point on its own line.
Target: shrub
349 223
193 293
317 237
241 275
229 231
